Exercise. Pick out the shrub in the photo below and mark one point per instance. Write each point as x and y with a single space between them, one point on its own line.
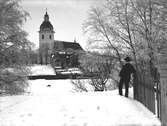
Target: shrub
13 81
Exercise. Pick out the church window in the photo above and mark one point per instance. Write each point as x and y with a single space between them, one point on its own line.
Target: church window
50 37
42 36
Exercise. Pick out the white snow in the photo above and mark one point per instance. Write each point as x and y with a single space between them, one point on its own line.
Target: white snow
42 70
58 105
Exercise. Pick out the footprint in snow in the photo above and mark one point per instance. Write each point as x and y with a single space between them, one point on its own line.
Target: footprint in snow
29 114
98 107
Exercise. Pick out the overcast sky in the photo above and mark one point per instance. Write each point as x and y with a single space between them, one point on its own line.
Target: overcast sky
66 16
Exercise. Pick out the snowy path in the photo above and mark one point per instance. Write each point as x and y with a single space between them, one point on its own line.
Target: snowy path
58 106
46 107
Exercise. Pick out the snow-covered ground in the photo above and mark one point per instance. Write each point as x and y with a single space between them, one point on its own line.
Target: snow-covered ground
58 105
42 70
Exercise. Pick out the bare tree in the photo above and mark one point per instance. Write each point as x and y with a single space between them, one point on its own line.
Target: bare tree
97 26
133 27
99 69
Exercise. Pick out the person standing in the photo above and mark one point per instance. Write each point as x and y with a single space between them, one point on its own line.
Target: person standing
125 76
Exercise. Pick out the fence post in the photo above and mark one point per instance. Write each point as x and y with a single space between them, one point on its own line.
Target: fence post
135 85
162 66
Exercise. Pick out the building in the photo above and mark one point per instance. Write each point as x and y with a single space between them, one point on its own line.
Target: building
56 52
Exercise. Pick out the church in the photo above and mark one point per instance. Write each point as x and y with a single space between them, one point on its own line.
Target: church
55 52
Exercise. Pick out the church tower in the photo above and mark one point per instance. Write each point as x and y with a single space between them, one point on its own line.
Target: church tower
46 40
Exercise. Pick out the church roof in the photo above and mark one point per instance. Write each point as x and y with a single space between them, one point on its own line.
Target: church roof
66 46
46 25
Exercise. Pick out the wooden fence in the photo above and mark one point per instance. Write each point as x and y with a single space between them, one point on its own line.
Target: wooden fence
147 92
163 89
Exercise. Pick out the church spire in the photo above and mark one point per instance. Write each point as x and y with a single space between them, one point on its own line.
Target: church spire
46 24
46 17
75 40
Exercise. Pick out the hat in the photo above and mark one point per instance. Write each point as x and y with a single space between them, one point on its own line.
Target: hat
128 59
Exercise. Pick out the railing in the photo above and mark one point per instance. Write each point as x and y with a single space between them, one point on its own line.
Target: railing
148 93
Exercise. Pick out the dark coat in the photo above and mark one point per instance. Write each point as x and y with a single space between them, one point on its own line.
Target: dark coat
126 71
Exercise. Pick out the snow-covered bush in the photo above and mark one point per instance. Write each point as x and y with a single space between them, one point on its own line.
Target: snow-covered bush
13 80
